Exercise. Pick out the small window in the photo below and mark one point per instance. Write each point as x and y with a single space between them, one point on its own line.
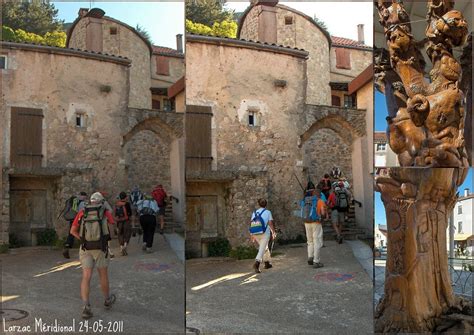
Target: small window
155 104
80 120
252 119
350 101
288 19
3 62
460 227
168 105
459 209
381 146
335 100
113 30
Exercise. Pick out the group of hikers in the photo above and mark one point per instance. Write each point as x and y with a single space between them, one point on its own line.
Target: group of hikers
92 222
330 198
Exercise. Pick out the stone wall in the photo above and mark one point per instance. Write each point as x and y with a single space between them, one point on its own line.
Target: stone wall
233 87
301 34
147 161
326 149
126 43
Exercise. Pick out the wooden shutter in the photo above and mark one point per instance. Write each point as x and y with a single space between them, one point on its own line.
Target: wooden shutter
343 58
155 104
162 65
26 137
198 138
335 100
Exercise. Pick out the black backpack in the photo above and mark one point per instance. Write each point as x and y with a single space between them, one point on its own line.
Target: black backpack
70 209
342 202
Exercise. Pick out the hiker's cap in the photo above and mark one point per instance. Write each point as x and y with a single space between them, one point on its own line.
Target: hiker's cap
97 197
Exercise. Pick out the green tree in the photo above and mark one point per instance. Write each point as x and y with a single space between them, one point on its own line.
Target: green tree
207 11
55 38
144 33
321 23
225 28
38 17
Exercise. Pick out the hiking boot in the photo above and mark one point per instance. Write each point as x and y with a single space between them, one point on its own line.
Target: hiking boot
144 246
110 301
66 253
340 239
267 265
318 265
149 251
161 231
310 261
87 312
256 267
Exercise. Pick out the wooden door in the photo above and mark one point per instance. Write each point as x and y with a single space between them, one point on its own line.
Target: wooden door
28 211
198 139
208 216
26 137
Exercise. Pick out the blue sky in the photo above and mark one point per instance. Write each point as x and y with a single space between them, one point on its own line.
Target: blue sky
379 215
163 20
380 124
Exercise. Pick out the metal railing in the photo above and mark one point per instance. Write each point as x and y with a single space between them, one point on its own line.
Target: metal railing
461 270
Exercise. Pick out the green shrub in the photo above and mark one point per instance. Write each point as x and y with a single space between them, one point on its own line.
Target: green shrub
243 252
14 241
3 248
47 237
219 248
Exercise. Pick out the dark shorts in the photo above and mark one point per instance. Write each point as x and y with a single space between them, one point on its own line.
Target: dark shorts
162 210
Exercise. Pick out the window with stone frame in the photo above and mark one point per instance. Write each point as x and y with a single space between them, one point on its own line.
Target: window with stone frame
459 209
253 117
3 62
460 227
113 30
80 119
168 105
288 19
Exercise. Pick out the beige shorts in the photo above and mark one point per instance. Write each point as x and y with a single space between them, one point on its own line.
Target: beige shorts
91 258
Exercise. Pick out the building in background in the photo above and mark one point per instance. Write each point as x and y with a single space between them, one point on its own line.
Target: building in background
383 154
96 115
462 221
254 128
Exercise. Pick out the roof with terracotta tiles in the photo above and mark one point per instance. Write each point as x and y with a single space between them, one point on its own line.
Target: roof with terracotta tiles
165 51
380 137
348 43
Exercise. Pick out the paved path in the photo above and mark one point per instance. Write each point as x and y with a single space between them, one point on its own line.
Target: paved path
227 297
149 288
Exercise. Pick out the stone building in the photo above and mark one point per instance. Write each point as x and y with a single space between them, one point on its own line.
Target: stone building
257 128
80 118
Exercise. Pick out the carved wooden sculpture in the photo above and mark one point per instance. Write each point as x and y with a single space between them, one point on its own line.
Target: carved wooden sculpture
426 119
417 290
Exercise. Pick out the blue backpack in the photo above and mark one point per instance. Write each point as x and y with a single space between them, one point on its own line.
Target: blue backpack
309 208
257 225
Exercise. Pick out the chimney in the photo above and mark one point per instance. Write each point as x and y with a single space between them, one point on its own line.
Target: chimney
82 12
466 192
360 33
179 42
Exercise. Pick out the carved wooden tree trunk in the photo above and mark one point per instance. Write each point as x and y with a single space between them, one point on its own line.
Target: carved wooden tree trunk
418 203
426 119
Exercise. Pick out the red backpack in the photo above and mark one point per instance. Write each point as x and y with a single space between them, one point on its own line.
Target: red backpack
159 195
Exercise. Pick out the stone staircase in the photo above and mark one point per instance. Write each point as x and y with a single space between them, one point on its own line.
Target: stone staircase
170 225
350 230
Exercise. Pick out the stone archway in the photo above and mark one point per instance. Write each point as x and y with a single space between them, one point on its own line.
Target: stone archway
153 152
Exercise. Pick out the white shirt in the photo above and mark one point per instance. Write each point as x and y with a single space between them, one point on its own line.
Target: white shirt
266 216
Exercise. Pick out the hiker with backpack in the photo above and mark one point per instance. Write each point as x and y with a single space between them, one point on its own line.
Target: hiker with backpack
135 196
108 207
160 196
91 227
325 185
339 201
72 206
122 213
313 209
261 229
147 209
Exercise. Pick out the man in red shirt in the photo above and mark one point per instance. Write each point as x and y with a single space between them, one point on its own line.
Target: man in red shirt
89 221
160 196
